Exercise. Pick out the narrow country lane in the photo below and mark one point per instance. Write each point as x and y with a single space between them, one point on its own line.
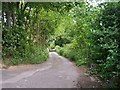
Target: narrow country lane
56 72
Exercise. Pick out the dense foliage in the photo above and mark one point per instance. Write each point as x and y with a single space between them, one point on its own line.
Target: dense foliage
27 28
82 33
106 45
95 40
24 32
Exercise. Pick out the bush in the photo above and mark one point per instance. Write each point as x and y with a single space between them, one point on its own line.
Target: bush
38 55
32 55
106 43
71 53
59 50
80 62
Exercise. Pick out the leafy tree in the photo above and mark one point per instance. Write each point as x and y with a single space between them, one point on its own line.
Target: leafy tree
106 44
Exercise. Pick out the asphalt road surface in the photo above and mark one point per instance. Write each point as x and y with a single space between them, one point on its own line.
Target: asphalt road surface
56 72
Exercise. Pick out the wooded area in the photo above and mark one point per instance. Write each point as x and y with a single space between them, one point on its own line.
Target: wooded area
77 30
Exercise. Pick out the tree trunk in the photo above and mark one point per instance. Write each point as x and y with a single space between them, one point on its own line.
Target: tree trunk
8 15
43 38
3 17
13 17
8 19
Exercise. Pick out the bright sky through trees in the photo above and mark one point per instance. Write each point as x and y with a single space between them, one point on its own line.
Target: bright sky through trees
94 3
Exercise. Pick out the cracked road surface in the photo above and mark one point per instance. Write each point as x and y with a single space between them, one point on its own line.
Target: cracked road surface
56 72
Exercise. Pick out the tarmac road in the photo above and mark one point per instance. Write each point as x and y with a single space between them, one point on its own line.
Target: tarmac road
56 72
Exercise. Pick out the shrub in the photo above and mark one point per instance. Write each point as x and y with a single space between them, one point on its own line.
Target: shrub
106 43
32 55
59 50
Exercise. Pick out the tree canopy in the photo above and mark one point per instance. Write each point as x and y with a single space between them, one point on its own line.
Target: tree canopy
79 31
